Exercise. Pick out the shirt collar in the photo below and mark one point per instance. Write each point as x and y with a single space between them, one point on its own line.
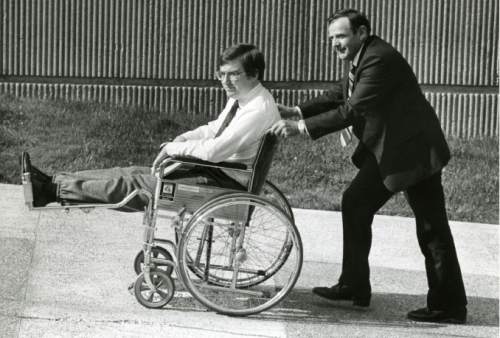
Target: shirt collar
355 61
244 99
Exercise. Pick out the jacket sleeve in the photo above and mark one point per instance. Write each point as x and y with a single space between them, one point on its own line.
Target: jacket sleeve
368 98
329 100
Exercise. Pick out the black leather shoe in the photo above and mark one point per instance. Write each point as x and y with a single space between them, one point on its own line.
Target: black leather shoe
342 292
27 167
44 191
453 316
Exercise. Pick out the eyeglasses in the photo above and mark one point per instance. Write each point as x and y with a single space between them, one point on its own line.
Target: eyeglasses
233 76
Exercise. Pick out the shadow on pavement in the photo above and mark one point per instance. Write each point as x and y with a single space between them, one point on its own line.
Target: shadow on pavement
386 309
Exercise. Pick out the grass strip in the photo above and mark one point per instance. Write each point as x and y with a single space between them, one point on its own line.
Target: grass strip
70 136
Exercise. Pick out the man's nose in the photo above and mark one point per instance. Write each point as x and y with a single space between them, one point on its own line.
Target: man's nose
225 79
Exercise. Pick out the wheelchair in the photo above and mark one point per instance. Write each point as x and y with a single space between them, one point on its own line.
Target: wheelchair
237 252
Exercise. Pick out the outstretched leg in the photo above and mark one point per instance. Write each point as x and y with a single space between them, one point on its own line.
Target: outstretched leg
110 186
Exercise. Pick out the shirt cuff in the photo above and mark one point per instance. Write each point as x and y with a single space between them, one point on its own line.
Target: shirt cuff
301 124
297 109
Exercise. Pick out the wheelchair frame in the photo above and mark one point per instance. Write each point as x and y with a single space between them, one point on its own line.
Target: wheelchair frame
191 270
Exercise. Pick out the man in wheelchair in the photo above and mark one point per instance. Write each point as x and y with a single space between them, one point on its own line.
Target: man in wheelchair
233 137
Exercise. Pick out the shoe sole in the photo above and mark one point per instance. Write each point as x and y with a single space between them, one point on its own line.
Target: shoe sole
355 302
361 303
443 321
25 163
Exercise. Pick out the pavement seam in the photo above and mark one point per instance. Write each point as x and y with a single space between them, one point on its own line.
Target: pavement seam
30 273
136 322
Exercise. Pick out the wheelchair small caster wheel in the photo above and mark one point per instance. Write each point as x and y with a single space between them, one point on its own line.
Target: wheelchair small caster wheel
154 299
156 252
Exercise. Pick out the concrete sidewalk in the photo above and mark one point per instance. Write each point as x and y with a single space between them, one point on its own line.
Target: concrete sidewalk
66 275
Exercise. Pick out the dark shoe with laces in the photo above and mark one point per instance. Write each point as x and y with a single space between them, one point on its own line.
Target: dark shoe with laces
342 292
44 191
27 167
456 315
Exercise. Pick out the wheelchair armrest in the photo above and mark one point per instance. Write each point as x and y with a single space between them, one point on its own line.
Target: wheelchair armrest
195 161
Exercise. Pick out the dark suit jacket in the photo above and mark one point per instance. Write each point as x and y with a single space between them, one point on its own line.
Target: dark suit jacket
389 115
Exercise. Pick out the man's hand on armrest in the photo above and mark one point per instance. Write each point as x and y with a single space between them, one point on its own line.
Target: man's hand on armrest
160 157
180 138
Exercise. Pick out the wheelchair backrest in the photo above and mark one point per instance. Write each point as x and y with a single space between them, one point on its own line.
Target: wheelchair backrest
262 162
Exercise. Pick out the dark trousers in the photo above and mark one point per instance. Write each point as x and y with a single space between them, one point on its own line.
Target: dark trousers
114 184
364 197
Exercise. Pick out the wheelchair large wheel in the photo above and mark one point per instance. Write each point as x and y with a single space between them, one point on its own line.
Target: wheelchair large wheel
232 241
271 193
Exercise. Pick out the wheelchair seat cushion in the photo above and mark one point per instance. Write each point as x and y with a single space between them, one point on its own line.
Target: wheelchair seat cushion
200 175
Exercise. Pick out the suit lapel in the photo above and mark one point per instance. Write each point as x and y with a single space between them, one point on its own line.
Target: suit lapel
360 61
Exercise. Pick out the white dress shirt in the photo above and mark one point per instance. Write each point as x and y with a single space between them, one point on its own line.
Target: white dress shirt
239 142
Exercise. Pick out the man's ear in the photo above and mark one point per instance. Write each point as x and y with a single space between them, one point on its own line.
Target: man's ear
254 77
363 32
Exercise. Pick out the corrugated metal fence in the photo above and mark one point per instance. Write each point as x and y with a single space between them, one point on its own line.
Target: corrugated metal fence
162 54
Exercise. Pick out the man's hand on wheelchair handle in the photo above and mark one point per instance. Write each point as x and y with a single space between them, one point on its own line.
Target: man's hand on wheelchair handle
285 128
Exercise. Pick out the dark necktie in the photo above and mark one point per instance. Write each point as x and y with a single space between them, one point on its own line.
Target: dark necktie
352 71
228 119
346 134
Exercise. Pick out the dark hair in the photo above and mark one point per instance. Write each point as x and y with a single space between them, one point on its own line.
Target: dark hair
356 18
250 57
